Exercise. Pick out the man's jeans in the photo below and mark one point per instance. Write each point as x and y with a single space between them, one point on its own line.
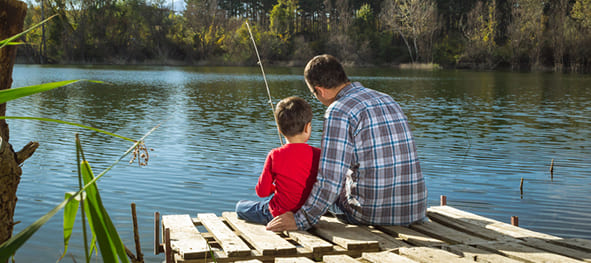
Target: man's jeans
254 211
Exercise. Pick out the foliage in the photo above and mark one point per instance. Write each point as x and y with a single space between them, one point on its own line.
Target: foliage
485 33
479 32
525 31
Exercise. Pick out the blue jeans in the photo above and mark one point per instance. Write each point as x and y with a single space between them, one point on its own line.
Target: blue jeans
254 211
338 212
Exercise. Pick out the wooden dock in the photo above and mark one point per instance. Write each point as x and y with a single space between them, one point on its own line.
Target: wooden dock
450 235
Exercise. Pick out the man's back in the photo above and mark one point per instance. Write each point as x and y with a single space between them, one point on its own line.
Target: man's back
384 182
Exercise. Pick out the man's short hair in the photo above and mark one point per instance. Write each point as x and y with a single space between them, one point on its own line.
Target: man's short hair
293 114
325 71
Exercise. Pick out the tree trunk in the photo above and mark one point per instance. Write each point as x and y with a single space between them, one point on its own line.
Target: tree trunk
12 15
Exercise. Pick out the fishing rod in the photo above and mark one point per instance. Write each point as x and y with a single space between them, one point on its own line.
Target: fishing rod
266 84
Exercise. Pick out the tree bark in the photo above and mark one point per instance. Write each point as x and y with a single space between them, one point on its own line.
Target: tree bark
12 15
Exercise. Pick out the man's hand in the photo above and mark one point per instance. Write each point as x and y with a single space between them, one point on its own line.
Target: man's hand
283 222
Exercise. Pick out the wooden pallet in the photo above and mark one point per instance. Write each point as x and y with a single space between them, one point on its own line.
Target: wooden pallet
450 235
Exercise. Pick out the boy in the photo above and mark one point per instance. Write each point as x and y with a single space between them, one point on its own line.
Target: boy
290 170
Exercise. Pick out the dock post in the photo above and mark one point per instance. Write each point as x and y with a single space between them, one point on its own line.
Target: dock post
157 233
168 249
136 235
442 200
515 220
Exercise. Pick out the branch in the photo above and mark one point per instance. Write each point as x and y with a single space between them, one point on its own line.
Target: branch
26 152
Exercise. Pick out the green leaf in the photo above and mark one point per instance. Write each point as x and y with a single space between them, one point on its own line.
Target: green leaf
15 93
110 243
10 39
69 218
65 122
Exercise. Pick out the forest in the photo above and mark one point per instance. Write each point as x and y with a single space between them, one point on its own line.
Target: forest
534 35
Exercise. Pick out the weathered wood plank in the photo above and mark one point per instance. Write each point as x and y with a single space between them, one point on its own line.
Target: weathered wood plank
487 223
249 261
232 245
294 260
266 242
385 257
351 237
412 236
386 241
525 253
184 236
558 249
446 234
338 259
429 254
312 242
479 255
575 243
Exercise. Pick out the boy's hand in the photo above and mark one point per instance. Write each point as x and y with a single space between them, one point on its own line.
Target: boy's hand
283 222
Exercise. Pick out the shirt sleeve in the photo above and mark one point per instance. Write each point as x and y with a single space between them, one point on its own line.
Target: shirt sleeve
335 159
265 186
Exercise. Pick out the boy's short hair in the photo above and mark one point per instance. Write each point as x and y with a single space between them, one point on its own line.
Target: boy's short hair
292 115
325 71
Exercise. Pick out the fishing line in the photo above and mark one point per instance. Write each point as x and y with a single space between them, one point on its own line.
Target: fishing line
266 84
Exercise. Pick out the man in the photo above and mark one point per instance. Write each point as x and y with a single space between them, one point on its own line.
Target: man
369 171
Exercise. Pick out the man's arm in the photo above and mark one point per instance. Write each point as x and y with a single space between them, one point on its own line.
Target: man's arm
283 222
335 159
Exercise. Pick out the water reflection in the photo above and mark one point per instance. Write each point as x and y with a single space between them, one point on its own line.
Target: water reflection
478 134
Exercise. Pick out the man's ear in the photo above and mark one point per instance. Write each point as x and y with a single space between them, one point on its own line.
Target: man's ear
320 90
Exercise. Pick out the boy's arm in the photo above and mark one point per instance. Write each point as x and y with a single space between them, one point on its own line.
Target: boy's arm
265 186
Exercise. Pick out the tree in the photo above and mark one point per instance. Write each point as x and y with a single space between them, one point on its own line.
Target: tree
282 18
416 23
480 33
526 29
12 15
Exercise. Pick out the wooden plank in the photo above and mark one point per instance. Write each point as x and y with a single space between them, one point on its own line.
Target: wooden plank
249 261
525 253
575 243
266 242
232 245
429 254
338 259
351 237
294 260
386 241
487 223
184 236
385 257
557 249
412 236
479 255
312 242
446 234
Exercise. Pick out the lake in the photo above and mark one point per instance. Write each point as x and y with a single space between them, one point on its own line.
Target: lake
478 135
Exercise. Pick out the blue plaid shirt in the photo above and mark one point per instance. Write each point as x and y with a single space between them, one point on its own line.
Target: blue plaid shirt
369 165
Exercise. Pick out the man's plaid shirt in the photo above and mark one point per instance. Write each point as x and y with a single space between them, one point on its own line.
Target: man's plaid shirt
369 164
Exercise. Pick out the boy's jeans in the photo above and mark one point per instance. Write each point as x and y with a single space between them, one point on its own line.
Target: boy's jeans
254 211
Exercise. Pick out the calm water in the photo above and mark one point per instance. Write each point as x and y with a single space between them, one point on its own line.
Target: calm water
478 134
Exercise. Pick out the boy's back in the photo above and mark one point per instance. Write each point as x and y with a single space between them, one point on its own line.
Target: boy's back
292 168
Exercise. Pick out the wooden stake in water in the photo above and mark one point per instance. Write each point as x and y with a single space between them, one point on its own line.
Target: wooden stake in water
521 187
266 84
552 170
